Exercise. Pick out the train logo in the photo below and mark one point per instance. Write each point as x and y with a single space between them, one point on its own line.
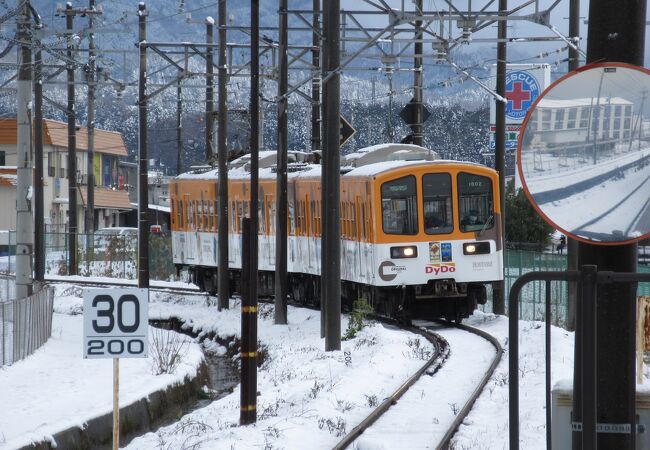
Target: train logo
438 269
521 91
388 271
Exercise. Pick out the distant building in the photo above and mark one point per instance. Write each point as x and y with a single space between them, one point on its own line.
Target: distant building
111 196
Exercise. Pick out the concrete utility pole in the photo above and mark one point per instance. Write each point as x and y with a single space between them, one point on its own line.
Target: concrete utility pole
179 127
281 281
143 175
209 91
498 296
224 281
39 206
72 147
331 248
315 83
90 166
418 113
616 33
24 232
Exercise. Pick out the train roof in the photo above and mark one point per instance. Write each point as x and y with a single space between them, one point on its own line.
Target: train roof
314 170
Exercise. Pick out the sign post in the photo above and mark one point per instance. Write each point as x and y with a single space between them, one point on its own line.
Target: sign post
116 326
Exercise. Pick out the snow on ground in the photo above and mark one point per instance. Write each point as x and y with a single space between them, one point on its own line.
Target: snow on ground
307 398
56 388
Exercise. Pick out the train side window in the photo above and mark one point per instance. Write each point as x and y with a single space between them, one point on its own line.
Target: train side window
475 202
399 207
438 214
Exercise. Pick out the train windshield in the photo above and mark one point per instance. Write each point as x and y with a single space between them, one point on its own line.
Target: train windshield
475 202
437 203
399 207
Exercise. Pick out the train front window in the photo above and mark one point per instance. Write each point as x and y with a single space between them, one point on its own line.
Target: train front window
475 201
437 203
399 206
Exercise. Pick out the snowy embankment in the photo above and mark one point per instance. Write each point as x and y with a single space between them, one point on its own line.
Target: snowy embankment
56 388
307 398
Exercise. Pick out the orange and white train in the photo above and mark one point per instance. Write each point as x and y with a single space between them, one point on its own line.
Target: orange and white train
419 239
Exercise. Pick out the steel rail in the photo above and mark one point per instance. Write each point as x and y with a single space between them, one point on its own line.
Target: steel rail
460 417
431 366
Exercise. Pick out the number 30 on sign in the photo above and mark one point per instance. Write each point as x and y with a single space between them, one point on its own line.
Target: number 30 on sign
116 323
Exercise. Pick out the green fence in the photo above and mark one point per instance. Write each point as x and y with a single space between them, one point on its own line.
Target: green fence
532 299
114 256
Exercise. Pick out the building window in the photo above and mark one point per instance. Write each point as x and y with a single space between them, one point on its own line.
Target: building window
2 159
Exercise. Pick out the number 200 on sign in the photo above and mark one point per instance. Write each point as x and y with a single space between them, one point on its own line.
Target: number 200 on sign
115 323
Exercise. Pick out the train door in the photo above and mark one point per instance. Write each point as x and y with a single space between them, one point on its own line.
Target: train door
270 229
358 224
291 229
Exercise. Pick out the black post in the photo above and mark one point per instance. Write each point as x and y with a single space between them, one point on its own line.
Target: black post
248 396
324 57
331 250
143 179
498 296
255 142
589 357
209 93
179 127
616 33
281 277
417 79
72 149
315 82
224 280
547 334
39 206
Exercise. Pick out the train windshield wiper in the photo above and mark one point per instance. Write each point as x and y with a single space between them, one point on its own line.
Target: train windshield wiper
487 222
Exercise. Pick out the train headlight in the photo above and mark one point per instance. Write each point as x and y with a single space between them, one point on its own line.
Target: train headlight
476 248
404 252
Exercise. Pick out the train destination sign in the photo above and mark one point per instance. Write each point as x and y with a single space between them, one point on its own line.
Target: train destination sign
584 154
116 323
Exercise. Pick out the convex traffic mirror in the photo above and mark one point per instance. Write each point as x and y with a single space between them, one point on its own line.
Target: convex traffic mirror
584 154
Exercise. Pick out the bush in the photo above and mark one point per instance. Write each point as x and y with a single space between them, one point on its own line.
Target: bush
167 350
356 322
523 224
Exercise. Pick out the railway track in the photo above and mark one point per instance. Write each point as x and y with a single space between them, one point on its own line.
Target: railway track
431 366
441 354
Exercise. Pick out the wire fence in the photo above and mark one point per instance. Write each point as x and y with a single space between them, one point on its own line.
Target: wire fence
25 325
533 296
109 255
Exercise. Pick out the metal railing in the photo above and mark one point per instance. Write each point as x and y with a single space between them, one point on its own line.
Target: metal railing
25 325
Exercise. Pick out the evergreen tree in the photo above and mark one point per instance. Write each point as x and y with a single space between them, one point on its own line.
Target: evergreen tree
523 224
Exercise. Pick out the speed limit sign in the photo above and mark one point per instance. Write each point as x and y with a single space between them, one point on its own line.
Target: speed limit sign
116 323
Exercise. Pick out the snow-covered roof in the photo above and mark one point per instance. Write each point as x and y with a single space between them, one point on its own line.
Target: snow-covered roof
575 102
377 168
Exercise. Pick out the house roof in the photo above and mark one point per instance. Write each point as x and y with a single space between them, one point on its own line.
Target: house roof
55 133
108 198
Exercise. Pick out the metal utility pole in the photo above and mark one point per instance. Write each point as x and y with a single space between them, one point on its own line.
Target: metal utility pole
572 244
179 127
143 175
417 79
315 83
331 249
209 92
90 163
224 282
72 148
248 412
498 296
39 205
616 33
24 233
281 194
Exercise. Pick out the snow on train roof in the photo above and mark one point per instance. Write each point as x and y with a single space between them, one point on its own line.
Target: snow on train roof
377 168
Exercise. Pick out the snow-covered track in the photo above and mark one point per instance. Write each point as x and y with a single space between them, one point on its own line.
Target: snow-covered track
464 412
128 283
431 366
